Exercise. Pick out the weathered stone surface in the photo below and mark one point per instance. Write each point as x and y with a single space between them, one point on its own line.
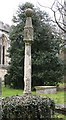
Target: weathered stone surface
28 37
60 108
45 89
4 45
29 12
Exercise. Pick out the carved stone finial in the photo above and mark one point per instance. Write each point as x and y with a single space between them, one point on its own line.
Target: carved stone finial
29 12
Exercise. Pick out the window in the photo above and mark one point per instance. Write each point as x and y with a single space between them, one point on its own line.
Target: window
3 57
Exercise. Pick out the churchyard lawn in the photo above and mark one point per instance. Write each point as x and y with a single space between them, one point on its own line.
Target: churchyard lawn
6 91
59 97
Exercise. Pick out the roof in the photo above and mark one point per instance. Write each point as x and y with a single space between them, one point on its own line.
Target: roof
4 27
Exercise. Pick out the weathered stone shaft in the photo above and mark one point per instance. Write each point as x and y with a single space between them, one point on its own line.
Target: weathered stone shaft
28 37
27 68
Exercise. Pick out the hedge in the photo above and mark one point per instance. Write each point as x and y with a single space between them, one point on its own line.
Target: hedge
27 107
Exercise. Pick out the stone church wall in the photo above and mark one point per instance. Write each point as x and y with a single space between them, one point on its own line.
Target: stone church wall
4 45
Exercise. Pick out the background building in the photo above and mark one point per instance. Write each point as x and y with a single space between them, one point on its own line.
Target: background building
4 45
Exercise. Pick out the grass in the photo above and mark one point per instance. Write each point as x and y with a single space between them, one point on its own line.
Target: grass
58 97
59 116
6 92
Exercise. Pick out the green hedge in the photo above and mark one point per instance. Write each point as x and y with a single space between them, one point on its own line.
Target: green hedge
27 107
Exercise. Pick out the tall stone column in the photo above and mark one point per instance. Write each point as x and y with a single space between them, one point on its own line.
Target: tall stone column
28 38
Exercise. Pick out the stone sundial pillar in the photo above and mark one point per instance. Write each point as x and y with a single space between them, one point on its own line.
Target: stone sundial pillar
28 38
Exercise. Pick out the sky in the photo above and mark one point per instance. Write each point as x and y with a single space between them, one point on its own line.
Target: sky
8 8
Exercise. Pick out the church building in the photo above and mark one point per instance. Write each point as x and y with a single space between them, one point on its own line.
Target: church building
4 45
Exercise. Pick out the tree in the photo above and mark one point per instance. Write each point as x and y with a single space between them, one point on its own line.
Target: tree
61 22
59 11
46 66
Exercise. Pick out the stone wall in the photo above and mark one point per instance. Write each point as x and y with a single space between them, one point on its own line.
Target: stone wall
4 45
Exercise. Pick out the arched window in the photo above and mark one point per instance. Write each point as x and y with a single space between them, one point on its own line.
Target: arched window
3 48
3 55
0 47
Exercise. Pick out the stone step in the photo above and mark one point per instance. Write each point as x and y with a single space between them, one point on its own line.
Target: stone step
60 108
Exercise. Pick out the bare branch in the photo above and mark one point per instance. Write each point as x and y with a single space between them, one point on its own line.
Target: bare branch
44 6
60 8
53 4
58 23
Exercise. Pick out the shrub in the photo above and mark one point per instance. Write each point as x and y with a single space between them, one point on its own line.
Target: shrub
27 107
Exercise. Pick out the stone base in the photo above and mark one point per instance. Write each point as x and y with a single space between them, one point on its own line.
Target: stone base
46 89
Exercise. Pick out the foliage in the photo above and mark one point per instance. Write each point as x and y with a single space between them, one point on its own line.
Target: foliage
58 116
6 91
59 97
27 107
49 65
46 67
